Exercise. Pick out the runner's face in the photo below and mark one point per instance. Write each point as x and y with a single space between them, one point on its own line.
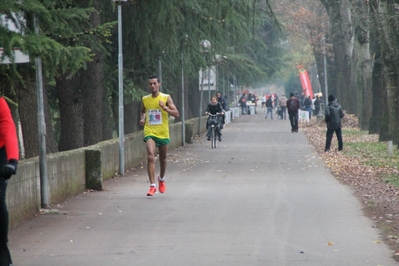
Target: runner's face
154 85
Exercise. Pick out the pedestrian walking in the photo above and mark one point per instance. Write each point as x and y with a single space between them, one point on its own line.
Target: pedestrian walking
269 107
243 103
9 156
222 100
155 110
293 106
333 115
283 105
255 100
264 102
308 106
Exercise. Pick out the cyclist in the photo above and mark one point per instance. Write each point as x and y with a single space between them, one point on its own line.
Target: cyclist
213 108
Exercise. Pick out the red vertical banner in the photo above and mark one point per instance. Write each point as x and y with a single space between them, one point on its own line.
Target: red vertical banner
306 85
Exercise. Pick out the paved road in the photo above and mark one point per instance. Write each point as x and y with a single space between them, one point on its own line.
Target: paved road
263 197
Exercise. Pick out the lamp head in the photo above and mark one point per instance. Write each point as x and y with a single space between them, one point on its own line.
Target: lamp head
119 2
206 45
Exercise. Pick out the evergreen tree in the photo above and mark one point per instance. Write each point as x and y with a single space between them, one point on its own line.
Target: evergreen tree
57 31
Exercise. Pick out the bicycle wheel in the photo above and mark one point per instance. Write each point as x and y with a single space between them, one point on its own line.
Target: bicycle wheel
213 137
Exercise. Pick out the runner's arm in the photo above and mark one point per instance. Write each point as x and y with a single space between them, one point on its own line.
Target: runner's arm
170 108
142 116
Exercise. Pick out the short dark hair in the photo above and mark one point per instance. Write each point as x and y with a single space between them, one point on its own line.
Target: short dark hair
153 77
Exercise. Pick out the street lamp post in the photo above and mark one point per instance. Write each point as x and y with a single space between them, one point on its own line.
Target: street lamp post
160 72
120 90
223 84
235 90
183 117
325 70
217 60
205 47
44 190
183 126
209 82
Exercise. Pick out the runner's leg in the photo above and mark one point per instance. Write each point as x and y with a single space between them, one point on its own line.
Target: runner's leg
150 145
163 151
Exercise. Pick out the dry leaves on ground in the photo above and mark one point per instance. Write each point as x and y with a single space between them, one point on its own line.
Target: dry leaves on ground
379 197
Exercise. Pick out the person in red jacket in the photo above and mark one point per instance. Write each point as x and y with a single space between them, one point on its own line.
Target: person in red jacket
293 106
9 155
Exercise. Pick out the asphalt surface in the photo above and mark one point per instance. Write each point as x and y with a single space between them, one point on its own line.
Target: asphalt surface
263 197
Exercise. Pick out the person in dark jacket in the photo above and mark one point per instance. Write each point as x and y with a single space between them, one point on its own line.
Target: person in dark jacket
333 115
214 107
269 107
222 100
308 106
9 156
292 107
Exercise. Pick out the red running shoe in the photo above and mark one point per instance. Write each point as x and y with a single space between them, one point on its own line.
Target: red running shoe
152 191
162 186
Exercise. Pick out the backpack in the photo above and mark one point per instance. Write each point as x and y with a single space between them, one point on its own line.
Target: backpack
293 104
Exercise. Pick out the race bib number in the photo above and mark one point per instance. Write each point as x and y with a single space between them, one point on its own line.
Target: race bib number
154 117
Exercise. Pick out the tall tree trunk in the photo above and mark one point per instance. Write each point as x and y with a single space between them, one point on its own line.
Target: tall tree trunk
379 98
378 121
92 92
71 113
177 99
390 37
342 39
363 65
188 112
28 112
194 95
131 117
92 86
107 119
115 113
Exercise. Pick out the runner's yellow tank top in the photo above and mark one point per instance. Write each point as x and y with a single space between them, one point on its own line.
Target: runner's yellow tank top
156 122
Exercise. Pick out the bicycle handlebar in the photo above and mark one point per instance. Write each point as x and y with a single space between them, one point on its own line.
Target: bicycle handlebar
214 114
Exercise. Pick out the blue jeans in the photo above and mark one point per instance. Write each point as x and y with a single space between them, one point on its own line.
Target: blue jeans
243 109
269 110
310 112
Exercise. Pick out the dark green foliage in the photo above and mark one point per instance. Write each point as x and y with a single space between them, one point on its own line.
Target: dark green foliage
245 33
293 83
57 31
242 31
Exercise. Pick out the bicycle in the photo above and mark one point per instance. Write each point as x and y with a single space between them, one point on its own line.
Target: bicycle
213 122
